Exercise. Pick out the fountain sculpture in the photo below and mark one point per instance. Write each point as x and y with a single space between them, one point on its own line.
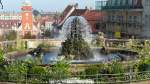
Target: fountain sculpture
75 47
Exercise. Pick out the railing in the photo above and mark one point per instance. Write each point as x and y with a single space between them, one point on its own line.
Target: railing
97 78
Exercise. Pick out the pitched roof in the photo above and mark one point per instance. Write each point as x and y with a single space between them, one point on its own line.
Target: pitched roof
8 24
67 9
78 12
93 15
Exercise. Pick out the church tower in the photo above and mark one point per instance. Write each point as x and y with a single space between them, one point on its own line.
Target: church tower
27 18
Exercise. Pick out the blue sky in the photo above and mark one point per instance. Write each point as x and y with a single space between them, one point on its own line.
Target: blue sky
46 5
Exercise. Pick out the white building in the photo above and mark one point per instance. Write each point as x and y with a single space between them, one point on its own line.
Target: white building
10 16
49 25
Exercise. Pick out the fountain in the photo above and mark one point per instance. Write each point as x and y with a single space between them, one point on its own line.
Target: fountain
75 46
85 28
76 36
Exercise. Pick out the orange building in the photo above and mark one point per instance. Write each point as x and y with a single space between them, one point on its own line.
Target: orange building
27 21
27 18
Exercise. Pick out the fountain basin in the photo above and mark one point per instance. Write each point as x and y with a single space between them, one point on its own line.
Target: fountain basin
52 57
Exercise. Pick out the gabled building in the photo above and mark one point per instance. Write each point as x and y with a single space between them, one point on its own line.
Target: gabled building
93 17
8 22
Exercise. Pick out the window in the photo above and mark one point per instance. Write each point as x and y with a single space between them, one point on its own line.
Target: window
130 19
131 2
146 20
113 18
147 3
123 2
120 18
135 18
113 2
97 26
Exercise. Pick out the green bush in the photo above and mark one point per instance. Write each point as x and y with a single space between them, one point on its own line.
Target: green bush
116 68
61 70
1 56
17 71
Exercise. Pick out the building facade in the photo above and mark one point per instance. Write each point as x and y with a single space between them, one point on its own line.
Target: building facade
93 17
146 19
27 18
124 18
27 26
10 16
99 4
8 22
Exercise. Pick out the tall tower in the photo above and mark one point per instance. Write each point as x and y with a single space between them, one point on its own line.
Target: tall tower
27 18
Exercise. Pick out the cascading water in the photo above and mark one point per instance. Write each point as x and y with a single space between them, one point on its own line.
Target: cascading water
84 28
84 25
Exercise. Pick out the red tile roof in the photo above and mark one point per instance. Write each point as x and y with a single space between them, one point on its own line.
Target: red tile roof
7 24
78 12
67 9
89 15
42 20
93 15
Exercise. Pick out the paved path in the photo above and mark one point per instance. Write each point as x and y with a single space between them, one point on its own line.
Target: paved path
143 82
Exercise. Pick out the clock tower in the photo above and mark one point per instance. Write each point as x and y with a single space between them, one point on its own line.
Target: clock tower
27 18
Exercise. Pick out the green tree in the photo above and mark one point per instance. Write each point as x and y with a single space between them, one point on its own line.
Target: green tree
143 65
1 38
3 75
11 36
36 13
47 33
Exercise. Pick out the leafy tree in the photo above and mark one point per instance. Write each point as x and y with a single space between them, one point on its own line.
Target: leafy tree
36 13
47 33
1 38
3 75
12 35
144 66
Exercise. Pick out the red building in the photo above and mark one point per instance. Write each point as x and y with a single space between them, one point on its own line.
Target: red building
28 27
94 17
27 18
